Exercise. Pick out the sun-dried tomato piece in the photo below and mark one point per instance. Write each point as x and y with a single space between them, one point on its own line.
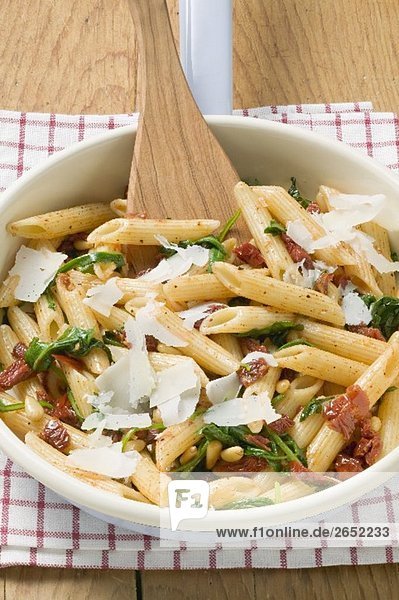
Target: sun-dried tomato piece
247 464
248 253
346 410
252 345
289 374
63 411
252 371
151 343
296 251
297 467
260 441
19 350
347 464
371 332
322 282
67 246
18 371
147 435
313 208
55 434
368 448
281 425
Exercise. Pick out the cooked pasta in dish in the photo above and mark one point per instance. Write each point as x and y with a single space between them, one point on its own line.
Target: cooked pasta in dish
274 355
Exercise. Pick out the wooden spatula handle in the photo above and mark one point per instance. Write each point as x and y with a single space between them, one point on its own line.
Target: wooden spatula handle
174 151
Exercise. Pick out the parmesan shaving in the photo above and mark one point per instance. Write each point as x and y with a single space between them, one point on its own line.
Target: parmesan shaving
223 388
35 269
355 310
268 358
197 313
102 298
298 232
241 411
106 460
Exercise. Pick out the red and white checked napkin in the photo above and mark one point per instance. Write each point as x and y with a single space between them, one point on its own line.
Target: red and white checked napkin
40 528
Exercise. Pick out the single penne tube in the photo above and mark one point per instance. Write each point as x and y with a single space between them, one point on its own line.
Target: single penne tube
8 341
303 432
320 364
174 440
258 218
385 281
142 232
266 384
7 291
388 412
323 197
344 343
240 319
377 378
204 351
301 390
160 362
80 315
230 343
227 490
133 288
83 281
50 318
148 479
21 424
59 460
81 384
62 222
24 326
284 296
362 276
188 288
286 209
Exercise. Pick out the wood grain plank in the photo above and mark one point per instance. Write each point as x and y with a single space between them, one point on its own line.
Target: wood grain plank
66 584
198 585
344 582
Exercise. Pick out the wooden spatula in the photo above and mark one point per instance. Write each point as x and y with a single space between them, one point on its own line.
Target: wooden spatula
179 170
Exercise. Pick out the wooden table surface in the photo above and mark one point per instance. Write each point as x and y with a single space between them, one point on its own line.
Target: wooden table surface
79 56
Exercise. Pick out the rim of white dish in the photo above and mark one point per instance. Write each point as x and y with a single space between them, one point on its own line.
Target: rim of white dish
146 514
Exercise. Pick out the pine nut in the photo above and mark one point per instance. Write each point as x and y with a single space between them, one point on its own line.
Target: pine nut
82 245
156 416
283 386
188 455
212 453
137 445
375 423
232 454
34 411
255 426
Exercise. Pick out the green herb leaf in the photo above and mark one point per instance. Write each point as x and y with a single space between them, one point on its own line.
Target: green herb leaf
214 432
73 342
275 228
194 462
50 298
229 225
11 407
111 338
298 341
385 315
295 193
277 399
393 388
277 332
75 407
85 262
289 447
394 256
129 434
246 503
368 299
314 406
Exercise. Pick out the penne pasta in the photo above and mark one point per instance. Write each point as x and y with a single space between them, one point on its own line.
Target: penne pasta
385 281
190 288
284 296
389 414
240 319
303 432
142 232
7 290
301 390
62 222
229 343
174 440
50 318
24 326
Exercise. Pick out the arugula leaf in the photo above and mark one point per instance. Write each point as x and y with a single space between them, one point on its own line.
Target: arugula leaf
11 407
298 341
246 503
111 338
275 228
277 399
314 406
295 193
394 256
126 438
222 434
277 333
385 315
194 462
228 225
393 388
85 262
75 342
368 299
288 446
